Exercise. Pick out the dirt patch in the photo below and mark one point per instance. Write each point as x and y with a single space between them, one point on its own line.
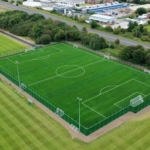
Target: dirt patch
114 124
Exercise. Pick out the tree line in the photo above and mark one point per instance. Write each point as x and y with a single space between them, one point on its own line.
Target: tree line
43 31
136 54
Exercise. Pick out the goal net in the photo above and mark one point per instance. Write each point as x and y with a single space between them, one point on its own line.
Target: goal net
136 101
106 56
59 112
74 45
23 86
30 49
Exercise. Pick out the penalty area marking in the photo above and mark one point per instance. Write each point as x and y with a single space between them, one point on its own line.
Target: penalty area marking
10 60
41 58
126 98
94 110
108 90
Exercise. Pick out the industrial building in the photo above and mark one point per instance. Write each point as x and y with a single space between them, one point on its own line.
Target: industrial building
102 18
134 8
106 7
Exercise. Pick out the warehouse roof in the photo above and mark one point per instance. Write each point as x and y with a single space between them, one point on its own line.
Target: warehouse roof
102 16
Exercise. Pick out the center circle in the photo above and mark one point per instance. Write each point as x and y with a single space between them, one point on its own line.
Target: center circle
70 71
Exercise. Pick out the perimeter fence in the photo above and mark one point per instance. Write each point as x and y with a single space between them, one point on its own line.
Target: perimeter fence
86 131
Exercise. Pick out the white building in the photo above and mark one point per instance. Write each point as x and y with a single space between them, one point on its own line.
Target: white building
31 3
102 18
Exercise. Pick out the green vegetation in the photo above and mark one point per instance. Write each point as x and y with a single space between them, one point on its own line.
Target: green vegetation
136 54
148 28
59 73
23 126
10 46
141 11
44 31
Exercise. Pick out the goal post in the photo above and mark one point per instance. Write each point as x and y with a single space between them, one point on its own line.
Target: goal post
74 45
136 101
59 112
106 56
30 49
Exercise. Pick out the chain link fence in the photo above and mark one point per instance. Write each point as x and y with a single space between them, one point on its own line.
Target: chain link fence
67 118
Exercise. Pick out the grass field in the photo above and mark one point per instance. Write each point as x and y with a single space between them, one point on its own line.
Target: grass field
8 45
61 72
148 28
26 127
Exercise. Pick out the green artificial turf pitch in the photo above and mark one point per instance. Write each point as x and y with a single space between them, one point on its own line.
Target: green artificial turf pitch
9 46
60 73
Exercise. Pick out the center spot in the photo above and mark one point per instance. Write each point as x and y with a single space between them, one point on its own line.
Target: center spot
70 71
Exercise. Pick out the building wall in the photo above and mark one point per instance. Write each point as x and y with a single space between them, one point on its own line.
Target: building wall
92 1
107 1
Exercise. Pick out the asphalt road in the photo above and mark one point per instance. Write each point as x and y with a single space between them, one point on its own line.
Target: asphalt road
107 36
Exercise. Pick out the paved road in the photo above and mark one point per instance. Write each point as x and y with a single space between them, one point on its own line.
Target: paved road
107 36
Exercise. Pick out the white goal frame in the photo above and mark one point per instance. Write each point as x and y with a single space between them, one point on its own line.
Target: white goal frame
74 45
30 49
146 71
106 56
136 101
23 86
59 112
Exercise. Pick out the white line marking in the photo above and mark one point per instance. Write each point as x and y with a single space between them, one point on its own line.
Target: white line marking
106 87
94 110
39 57
10 60
86 51
126 98
63 73
107 91
146 95
142 82
35 51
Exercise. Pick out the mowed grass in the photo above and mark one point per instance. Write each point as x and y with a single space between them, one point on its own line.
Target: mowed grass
61 72
10 46
26 127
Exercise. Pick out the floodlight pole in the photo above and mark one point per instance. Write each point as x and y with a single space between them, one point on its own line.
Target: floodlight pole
18 72
80 99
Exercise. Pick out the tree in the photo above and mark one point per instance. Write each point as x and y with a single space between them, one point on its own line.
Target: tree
44 39
84 29
109 28
37 30
116 30
148 21
139 56
94 24
126 53
141 11
117 41
95 42
147 58
131 26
